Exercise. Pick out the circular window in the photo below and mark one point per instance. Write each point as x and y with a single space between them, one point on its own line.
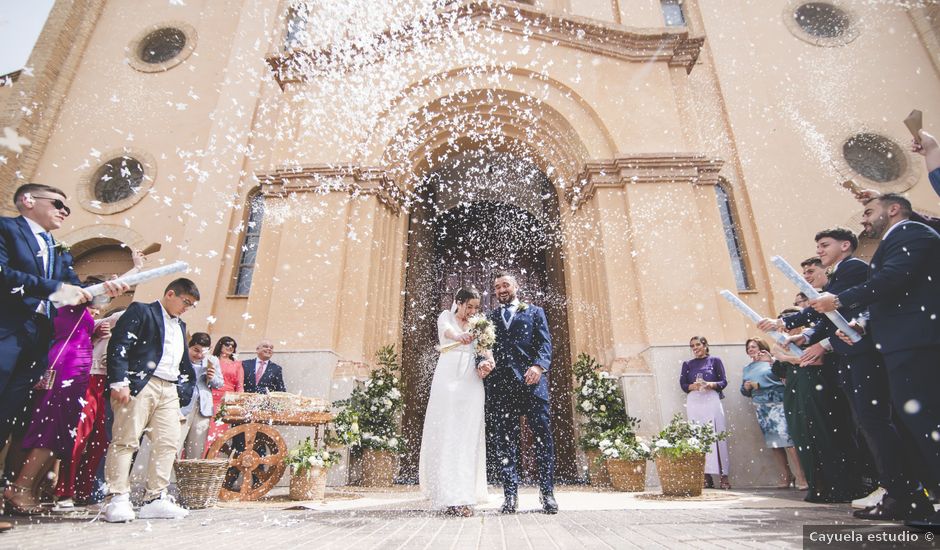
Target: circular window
822 19
118 179
874 157
821 23
119 183
162 45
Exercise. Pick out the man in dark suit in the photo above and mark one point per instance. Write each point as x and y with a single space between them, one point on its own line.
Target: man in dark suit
32 266
261 374
902 294
862 372
518 386
150 375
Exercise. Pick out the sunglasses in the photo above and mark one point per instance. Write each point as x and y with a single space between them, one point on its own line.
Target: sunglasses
57 203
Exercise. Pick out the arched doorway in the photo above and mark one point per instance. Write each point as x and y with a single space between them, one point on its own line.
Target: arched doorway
478 213
97 264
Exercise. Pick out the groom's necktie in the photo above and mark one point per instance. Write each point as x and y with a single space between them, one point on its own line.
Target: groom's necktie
507 314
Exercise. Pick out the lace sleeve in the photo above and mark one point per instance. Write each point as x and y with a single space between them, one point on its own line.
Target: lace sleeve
446 322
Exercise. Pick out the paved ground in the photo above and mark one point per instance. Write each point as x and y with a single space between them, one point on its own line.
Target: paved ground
398 518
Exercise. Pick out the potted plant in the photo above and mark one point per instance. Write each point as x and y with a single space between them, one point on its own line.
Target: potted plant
600 402
369 421
309 466
679 450
625 455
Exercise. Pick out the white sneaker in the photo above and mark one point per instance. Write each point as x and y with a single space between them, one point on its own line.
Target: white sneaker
164 507
871 500
119 510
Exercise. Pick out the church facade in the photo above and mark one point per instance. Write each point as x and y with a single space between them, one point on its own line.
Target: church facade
333 172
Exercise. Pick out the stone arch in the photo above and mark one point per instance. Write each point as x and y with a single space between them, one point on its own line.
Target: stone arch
522 109
86 239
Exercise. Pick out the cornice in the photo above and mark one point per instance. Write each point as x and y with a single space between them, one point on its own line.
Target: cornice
695 169
673 45
355 180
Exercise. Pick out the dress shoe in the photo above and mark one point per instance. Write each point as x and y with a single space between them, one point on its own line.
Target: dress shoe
549 504
931 524
510 505
890 509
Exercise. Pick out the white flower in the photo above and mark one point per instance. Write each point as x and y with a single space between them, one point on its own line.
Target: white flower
603 408
693 441
586 405
604 443
394 393
662 444
586 391
393 442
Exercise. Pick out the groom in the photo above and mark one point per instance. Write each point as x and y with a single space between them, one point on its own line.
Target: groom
518 386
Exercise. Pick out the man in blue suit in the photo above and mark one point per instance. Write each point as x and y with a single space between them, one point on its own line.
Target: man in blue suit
902 294
261 374
518 386
32 266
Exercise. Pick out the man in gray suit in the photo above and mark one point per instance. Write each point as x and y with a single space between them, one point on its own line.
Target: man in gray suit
197 415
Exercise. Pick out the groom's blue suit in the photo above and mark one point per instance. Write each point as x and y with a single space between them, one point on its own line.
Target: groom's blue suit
524 343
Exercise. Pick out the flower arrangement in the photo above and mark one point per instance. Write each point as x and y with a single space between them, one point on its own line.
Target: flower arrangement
600 401
306 456
622 443
683 437
372 410
483 331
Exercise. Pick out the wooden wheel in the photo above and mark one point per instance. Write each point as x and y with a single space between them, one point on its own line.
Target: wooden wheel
257 454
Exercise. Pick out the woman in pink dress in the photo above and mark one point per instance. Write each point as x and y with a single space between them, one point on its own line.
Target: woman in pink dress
233 380
57 406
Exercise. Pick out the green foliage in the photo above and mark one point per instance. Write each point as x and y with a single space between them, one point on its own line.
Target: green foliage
600 401
370 416
306 455
623 443
685 437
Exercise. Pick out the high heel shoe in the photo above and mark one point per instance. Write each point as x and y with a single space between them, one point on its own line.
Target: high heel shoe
15 509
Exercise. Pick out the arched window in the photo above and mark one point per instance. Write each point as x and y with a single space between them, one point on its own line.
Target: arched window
733 239
249 249
672 13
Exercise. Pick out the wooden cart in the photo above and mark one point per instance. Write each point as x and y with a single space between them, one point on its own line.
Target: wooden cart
254 447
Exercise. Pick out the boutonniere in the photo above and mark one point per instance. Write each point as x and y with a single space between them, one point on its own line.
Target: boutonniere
62 247
522 307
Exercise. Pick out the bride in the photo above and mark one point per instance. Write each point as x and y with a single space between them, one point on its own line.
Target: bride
452 467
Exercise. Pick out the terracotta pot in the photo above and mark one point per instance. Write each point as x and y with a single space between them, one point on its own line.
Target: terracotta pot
627 475
378 468
309 485
597 470
681 476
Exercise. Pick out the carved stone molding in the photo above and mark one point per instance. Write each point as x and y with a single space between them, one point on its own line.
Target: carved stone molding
673 45
643 168
323 178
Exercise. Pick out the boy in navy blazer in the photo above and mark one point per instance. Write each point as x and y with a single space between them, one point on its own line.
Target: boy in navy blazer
150 376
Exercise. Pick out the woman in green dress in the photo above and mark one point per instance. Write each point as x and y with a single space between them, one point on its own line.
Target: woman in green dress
818 423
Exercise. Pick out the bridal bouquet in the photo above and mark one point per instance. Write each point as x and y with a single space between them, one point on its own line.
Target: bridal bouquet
483 331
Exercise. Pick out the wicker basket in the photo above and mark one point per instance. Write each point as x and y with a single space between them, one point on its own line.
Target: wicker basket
597 469
309 485
378 468
627 475
199 481
681 476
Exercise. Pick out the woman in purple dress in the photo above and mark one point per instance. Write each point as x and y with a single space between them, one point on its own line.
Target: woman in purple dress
703 379
57 405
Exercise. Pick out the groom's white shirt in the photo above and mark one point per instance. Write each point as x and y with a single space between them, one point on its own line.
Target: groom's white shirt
512 312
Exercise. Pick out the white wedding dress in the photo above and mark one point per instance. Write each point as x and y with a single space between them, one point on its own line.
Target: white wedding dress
452 467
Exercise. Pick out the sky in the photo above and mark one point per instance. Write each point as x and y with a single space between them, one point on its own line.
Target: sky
21 22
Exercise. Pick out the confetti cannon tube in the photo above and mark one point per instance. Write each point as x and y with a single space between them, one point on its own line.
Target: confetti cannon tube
60 298
837 319
754 316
